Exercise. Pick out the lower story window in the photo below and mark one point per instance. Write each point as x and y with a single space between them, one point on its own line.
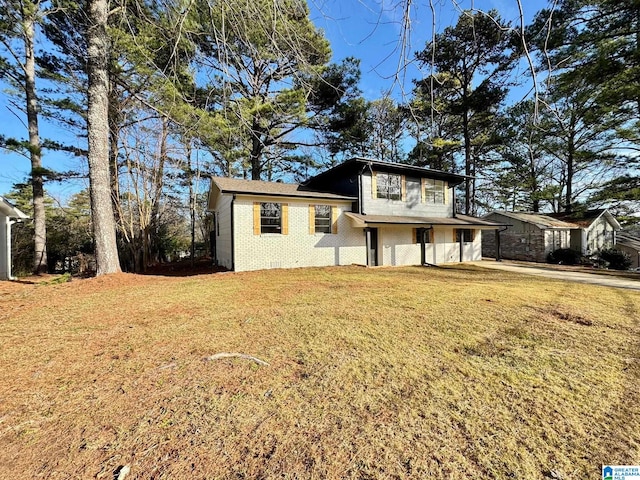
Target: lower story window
322 218
426 232
464 234
270 217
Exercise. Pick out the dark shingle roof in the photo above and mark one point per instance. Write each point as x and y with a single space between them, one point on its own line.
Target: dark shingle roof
628 241
538 219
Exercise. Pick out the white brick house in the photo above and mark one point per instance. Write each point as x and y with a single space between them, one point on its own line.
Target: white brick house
360 212
8 216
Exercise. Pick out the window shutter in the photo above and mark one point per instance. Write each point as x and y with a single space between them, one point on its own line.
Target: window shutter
447 192
415 236
455 230
422 187
285 219
472 235
431 235
334 219
312 219
256 218
374 185
404 189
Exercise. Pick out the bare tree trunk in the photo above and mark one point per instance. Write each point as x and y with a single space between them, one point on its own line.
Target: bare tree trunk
467 164
37 177
158 182
104 226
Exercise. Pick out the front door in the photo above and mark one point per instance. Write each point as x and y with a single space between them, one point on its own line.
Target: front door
372 237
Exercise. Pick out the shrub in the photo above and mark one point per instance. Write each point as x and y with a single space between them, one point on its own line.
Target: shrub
616 259
565 256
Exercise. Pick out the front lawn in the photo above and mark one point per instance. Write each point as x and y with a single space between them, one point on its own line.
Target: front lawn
455 372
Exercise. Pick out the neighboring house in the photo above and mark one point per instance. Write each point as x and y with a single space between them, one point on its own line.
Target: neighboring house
596 229
532 236
362 211
8 216
631 246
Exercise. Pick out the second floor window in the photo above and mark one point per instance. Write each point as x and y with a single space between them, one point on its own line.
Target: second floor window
388 185
270 218
434 191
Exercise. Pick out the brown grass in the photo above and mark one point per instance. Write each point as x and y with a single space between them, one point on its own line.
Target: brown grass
373 374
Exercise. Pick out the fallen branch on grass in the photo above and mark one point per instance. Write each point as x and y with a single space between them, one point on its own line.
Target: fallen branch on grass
244 356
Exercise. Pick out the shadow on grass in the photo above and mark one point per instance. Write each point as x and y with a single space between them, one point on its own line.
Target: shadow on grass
184 268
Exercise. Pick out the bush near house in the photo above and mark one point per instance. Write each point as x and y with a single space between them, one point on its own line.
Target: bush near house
615 259
565 256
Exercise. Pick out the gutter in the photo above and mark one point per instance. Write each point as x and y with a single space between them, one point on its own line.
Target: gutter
498 246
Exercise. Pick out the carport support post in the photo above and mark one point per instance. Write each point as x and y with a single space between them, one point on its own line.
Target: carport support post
367 235
498 247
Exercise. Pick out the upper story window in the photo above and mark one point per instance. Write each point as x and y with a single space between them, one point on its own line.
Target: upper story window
270 217
434 191
388 185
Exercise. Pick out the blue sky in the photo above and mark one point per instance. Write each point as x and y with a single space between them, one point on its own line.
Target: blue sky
366 29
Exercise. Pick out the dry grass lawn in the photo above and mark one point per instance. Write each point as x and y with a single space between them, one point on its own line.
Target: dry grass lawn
448 373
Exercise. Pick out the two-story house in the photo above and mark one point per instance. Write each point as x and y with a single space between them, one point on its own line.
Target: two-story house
362 211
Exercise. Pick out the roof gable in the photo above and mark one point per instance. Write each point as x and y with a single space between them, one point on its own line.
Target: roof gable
9 210
586 218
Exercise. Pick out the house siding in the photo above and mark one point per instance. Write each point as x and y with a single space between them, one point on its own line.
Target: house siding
411 206
599 235
397 247
224 250
298 248
5 249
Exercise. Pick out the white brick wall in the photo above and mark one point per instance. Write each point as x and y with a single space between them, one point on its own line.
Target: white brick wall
298 248
397 247
5 249
223 231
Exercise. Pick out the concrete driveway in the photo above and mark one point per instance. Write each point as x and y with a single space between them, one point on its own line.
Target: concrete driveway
580 276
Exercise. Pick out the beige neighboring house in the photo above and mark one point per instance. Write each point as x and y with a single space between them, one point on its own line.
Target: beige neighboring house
630 245
532 236
362 211
8 216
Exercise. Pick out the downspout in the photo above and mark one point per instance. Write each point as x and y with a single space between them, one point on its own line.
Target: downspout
453 201
233 236
498 246
423 253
